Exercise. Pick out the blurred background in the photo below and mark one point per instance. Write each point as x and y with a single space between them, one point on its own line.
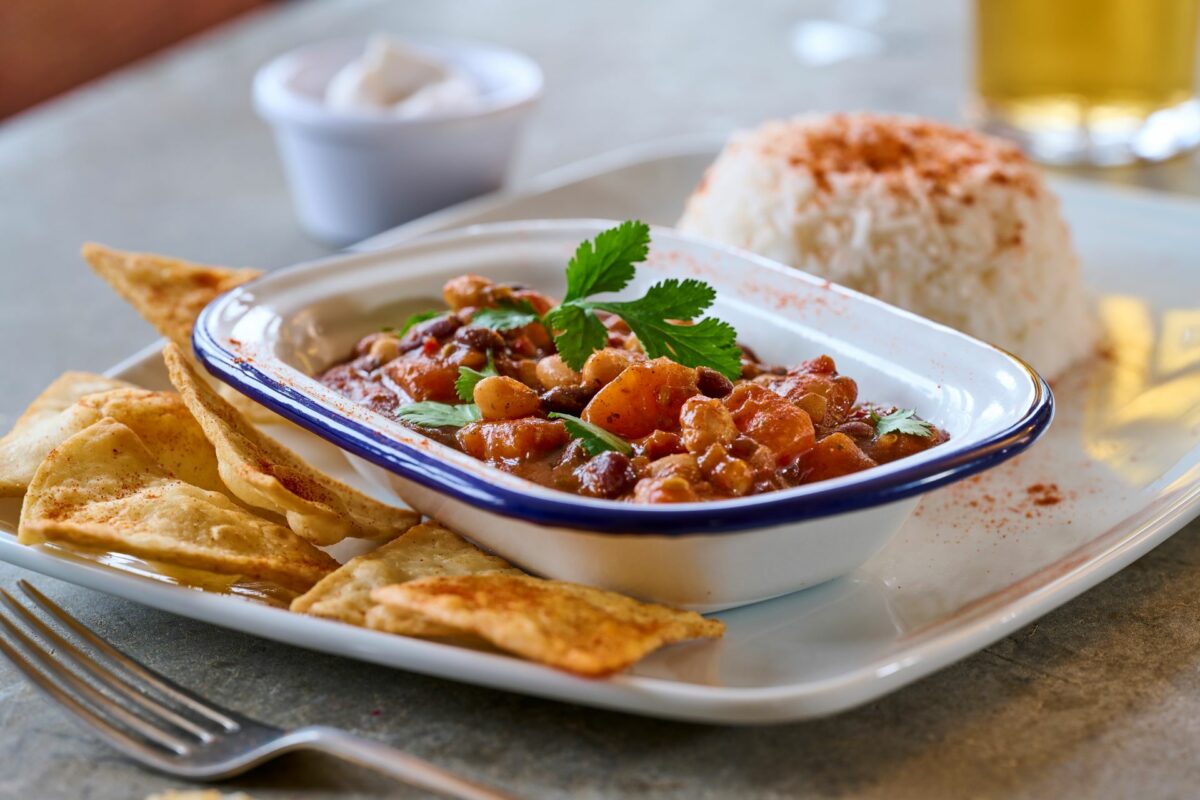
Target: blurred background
131 122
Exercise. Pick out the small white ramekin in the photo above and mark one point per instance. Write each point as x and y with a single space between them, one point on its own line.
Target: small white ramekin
356 173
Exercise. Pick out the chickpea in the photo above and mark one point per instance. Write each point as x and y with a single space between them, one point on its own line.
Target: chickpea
705 421
682 465
526 372
604 365
384 348
814 405
733 476
467 291
501 397
553 372
671 489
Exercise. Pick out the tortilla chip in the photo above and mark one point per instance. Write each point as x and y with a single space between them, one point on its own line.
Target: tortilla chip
22 450
427 549
103 489
265 474
251 410
169 431
160 419
43 426
565 625
65 390
167 292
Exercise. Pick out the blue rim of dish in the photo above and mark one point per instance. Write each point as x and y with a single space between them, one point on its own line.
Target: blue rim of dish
609 516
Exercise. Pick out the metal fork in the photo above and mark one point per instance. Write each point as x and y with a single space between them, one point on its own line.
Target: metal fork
162 725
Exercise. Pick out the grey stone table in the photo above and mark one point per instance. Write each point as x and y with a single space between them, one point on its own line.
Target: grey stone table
1100 698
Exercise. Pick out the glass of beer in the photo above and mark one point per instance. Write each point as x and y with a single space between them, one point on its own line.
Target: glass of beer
1089 81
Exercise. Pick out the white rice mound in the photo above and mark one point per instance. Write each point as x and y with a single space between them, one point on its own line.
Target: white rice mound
948 223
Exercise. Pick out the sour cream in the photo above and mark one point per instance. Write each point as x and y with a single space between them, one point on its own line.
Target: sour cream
390 76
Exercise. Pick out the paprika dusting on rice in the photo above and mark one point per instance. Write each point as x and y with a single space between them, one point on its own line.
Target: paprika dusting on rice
948 223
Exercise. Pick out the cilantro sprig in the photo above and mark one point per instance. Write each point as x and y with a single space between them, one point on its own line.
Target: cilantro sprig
902 420
664 321
506 316
428 414
595 440
659 319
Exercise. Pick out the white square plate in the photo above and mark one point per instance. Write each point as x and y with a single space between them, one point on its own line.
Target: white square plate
978 559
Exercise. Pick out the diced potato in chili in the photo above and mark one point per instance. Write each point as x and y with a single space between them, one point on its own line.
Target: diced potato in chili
683 434
816 387
832 457
642 399
424 378
666 489
512 439
771 421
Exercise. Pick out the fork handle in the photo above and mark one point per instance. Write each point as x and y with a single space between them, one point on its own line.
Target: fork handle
390 761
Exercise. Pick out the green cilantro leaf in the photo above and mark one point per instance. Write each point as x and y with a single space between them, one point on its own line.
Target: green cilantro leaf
595 440
577 331
507 316
902 420
708 343
606 265
669 299
467 378
415 319
439 415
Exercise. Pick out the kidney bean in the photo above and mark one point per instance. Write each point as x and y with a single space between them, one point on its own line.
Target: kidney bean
712 383
479 338
566 399
606 475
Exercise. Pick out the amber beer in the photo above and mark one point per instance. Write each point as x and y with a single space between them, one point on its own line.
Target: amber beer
1100 81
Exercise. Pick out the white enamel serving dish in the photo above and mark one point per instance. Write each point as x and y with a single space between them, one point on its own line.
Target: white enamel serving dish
268 338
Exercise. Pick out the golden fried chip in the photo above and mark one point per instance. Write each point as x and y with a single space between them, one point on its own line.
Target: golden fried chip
167 292
160 419
265 474
44 425
103 489
427 549
403 622
65 390
251 410
24 447
576 628
169 431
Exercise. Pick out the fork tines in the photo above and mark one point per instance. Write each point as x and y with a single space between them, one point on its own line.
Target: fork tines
137 710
